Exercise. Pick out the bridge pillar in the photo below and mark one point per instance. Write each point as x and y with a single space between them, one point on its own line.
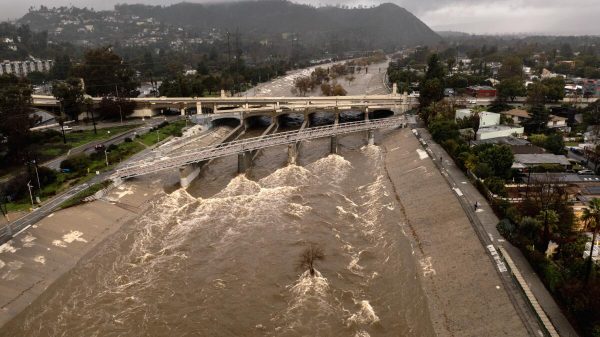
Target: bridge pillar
188 173
198 107
371 137
244 161
334 145
336 117
183 111
292 153
367 113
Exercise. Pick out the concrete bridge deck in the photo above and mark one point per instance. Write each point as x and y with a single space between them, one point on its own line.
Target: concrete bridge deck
184 158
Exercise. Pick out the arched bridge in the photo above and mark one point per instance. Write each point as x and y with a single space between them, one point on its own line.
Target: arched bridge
184 158
247 106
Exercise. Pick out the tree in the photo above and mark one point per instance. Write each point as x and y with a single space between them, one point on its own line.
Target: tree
70 95
555 88
539 119
498 157
309 257
62 68
547 192
592 217
338 90
549 219
537 93
15 106
512 67
435 69
105 74
511 88
431 91
303 84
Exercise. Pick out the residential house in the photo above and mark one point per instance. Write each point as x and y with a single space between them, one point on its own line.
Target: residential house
520 116
523 161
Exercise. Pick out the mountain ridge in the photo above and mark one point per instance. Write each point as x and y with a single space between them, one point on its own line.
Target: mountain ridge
384 26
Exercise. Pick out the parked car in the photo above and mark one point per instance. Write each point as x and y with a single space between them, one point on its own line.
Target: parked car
586 171
99 147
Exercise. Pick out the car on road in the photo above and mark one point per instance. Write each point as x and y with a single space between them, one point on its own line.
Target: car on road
99 147
585 172
472 101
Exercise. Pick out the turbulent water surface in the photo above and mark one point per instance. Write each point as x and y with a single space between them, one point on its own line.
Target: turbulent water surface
222 258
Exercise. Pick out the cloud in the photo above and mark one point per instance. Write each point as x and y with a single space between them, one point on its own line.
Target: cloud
474 16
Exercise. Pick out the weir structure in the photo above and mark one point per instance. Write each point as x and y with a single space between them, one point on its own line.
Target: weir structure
190 161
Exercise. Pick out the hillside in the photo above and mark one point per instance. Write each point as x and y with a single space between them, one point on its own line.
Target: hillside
385 26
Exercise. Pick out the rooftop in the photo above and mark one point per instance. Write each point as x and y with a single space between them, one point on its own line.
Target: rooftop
512 141
517 113
541 158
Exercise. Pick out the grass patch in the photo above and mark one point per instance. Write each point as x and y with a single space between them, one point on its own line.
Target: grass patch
162 132
77 199
78 138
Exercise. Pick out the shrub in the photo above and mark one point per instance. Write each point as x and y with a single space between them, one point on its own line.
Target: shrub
496 186
112 147
506 228
128 140
77 163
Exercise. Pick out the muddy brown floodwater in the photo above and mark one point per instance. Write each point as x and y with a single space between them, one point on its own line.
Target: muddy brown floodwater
222 258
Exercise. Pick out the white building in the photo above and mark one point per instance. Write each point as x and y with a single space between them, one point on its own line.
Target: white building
485 118
496 131
22 68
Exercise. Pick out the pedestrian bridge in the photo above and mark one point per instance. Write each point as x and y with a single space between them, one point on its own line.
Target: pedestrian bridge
189 157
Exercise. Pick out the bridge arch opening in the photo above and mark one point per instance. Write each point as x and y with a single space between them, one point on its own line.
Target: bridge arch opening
231 122
380 113
257 122
319 118
352 116
290 120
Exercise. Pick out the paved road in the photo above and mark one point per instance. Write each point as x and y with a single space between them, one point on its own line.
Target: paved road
117 139
488 219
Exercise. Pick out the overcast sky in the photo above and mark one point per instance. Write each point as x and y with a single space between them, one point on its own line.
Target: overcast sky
473 16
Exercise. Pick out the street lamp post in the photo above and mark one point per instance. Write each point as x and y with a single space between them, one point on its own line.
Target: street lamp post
37 175
29 186
120 113
157 136
106 156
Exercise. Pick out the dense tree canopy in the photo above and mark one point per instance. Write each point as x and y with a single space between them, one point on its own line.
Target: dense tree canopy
15 106
105 74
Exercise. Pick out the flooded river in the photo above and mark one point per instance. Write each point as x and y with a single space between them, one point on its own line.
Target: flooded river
222 259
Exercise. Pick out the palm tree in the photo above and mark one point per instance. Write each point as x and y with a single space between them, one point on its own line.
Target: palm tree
592 217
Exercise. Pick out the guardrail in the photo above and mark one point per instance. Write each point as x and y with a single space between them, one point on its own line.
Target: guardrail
193 156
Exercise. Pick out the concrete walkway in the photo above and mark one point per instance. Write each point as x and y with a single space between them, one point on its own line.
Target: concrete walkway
489 222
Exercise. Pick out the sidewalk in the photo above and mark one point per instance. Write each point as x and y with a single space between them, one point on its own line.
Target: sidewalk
489 220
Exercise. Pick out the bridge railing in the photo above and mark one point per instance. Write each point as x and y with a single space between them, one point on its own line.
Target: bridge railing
193 156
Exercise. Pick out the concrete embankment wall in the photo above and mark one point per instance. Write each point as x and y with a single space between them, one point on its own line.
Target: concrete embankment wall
465 294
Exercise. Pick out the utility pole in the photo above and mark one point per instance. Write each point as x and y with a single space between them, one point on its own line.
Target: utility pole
106 156
228 51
